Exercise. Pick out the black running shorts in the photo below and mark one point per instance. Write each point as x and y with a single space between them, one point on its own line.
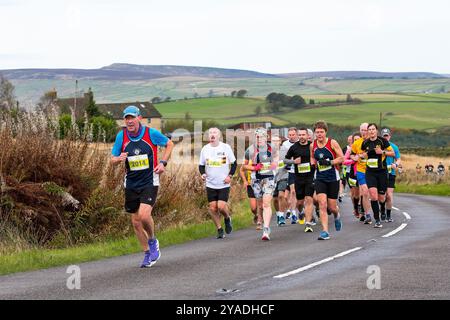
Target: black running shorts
250 193
304 187
331 189
391 181
133 198
218 194
377 179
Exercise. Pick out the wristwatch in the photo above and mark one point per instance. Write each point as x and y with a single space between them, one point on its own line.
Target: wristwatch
164 162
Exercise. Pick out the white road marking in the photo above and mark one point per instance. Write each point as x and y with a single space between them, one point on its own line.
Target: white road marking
315 264
407 215
395 208
390 234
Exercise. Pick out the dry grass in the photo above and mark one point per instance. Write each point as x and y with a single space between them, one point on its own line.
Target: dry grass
411 176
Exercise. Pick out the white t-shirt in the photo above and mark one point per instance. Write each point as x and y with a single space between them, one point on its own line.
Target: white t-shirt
217 161
287 144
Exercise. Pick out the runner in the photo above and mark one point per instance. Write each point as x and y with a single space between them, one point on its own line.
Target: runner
214 165
291 213
345 169
351 177
326 154
264 163
255 205
375 150
281 193
392 164
361 173
299 155
137 147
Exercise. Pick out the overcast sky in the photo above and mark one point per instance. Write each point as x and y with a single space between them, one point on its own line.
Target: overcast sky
273 36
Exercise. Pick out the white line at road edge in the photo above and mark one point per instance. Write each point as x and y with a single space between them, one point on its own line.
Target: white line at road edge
315 264
407 215
395 208
390 234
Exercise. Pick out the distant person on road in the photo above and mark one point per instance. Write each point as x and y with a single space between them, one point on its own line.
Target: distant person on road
136 146
326 156
217 165
440 169
418 168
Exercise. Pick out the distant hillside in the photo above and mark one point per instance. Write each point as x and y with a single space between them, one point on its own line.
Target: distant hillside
363 75
122 71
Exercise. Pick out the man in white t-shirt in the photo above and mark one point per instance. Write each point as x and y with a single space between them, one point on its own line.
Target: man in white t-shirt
214 165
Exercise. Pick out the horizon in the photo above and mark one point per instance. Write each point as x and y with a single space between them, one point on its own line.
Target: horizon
266 36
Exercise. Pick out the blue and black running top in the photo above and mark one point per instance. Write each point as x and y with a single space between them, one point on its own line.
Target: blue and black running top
142 156
325 173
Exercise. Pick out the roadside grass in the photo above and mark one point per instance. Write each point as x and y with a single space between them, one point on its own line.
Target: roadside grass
36 259
427 189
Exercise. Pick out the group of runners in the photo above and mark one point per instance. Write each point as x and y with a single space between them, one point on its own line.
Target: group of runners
300 176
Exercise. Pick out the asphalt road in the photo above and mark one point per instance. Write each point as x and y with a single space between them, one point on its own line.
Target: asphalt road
414 263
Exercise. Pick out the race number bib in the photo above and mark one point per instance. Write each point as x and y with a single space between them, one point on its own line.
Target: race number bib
217 162
304 167
372 163
352 182
266 168
323 168
139 162
389 168
281 164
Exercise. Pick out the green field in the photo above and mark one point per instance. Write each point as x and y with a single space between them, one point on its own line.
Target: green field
29 91
210 108
414 115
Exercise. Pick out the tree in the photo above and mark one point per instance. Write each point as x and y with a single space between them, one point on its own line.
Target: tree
297 102
258 111
349 98
187 116
233 93
7 98
90 107
196 95
311 101
241 93
167 99
210 93
46 100
156 100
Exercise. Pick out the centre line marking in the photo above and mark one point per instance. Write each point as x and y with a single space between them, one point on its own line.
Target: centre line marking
407 215
390 234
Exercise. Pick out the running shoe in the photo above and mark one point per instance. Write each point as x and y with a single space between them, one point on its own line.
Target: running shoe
288 214
155 254
340 198
281 221
378 224
259 226
368 219
228 226
324 236
294 219
308 228
362 217
266 234
338 223
301 218
147 263
313 222
220 234
390 220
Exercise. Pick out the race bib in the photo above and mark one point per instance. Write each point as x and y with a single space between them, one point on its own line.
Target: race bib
281 164
217 162
304 167
323 168
266 168
352 182
139 162
389 168
372 163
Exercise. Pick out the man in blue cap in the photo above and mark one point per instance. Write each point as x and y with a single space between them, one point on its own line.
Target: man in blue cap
137 147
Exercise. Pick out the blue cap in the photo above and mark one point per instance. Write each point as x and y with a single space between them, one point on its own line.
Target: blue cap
131 111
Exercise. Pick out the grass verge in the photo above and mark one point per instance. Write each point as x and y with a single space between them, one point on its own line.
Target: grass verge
426 189
30 260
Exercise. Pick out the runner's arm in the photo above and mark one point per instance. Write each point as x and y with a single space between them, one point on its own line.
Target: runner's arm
339 155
